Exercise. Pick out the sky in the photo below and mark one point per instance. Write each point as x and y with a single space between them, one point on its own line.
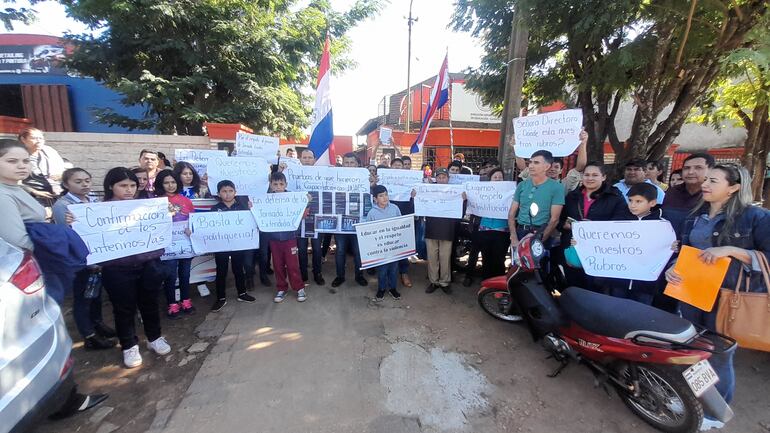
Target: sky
379 49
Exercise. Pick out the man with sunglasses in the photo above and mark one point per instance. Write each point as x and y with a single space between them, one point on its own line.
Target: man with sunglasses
540 189
635 173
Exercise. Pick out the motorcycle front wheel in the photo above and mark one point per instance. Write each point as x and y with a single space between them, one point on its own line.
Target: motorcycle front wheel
499 304
665 402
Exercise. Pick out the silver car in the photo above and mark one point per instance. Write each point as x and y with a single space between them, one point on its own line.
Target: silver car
35 360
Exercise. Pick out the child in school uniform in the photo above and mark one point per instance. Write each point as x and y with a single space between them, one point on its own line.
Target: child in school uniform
387 273
283 248
226 194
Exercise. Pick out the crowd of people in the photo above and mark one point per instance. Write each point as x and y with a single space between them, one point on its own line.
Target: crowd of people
708 205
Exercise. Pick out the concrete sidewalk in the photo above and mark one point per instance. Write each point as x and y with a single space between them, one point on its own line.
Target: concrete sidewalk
428 363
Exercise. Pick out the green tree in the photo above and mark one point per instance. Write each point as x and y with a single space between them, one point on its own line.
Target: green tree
11 14
741 96
662 53
194 61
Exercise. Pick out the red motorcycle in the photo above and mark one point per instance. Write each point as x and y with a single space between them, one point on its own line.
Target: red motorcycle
656 361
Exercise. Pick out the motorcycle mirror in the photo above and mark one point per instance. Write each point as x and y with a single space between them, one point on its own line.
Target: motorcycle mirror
534 209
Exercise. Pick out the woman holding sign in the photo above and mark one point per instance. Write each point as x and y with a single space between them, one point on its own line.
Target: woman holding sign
493 238
133 282
725 224
595 200
192 186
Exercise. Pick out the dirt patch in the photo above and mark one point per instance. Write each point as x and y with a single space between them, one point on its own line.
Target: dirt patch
142 398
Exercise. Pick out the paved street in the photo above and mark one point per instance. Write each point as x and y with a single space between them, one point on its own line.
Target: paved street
427 363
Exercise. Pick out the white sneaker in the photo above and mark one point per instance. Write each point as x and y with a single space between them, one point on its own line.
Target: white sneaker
301 296
279 296
709 424
159 346
131 357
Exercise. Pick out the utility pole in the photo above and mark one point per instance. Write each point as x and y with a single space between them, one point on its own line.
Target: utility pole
517 59
409 22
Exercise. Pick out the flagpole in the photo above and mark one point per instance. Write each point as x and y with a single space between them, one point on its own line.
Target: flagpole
451 131
409 21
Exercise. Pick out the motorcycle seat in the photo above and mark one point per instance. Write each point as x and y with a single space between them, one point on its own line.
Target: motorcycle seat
623 318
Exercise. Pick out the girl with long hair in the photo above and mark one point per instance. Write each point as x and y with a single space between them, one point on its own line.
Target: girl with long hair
132 282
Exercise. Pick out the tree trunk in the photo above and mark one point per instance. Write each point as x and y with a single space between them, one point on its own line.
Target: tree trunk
756 148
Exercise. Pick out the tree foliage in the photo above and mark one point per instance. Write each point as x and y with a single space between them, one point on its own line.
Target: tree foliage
740 96
661 53
11 14
194 61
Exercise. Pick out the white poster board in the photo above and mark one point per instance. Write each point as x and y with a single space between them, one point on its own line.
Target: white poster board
250 175
279 212
399 182
181 247
116 229
557 132
258 146
198 158
490 199
223 231
436 200
385 241
461 179
327 179
636 250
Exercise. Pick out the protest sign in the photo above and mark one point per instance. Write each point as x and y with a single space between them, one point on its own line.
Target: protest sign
181 247
399 182
116 229
340 196
223 231
250 175
258 146
461 179
327 179
437 200
490 199
198 158
636 250
385 241
557 132
279 212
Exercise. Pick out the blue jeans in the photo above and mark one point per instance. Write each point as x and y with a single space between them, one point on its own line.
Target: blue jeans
345 241
86 312
386 277
303 259
174 268
722 362
403 266
422 248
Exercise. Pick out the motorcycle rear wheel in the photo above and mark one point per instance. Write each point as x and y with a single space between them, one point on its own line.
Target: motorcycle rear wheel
499 304
666 402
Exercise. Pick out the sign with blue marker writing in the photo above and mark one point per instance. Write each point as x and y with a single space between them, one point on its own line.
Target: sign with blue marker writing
557 132
223 231
181 247
632 250
115 229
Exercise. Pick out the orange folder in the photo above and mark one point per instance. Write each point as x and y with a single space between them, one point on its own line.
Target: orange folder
700 282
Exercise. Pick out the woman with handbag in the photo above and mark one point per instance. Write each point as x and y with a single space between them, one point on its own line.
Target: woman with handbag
46 167
725 224
86 288
595 200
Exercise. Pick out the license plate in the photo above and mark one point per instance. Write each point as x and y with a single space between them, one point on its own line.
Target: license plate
700 377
